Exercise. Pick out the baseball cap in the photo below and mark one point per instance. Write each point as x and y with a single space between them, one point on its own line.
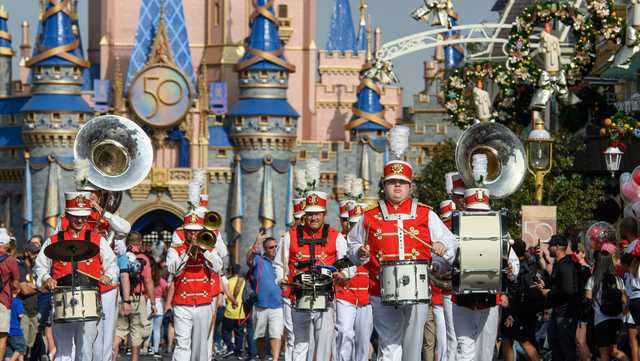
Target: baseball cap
558 240
519 247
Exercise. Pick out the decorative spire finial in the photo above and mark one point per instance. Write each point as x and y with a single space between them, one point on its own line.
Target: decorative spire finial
369 42
363 12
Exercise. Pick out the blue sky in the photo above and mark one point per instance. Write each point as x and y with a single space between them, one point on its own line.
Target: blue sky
392 16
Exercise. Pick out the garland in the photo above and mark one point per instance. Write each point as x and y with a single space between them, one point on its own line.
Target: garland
605 20
520 62
457 102
619 129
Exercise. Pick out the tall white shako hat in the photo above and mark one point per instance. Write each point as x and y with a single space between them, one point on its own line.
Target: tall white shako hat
193 221
454 183
355 211
81 169
344 208
316 201
476 199
446 209
398 144
77 203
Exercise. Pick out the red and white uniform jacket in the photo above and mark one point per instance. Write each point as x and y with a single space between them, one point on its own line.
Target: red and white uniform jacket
192 274
102 264
290 251
356 290
384 229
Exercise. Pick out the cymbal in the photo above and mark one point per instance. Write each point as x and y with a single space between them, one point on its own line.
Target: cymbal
71 250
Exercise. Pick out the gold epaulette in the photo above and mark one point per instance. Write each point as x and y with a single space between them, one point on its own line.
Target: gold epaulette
371 207
425 205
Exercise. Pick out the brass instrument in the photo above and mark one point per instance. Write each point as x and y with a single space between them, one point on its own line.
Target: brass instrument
212 220
506 166
118 150
206 238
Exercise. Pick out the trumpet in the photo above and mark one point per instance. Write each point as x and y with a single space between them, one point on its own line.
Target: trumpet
205 240
212 220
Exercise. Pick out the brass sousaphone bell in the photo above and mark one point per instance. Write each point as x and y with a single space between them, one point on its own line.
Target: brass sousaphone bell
206 238
118 150
506 161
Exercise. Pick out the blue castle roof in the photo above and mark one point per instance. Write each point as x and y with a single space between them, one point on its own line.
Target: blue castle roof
362 42
341 34
264 37
368 113
177 35
5 37
56 103
258 107
57 31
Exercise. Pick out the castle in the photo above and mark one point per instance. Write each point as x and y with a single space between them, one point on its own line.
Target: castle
238 88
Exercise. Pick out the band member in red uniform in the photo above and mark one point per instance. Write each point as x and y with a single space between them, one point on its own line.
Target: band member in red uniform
315 240
381 236
190 271
354 320
76 337
289 338
476 316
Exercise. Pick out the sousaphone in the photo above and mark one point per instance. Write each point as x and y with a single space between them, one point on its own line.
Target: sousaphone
118 150
506 160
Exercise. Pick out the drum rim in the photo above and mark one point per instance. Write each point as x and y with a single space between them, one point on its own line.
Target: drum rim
76 288
404 262
406 302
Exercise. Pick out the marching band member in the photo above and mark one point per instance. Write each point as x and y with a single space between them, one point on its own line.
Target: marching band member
476 316
76 337
298 215
455 188
354 320
190 295
380 236
312 239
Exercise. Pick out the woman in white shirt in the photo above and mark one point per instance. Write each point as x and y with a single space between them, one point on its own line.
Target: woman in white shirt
607 326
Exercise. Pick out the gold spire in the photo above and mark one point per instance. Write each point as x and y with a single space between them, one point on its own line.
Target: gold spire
202 87
363 13
369 42
3 13
118 89
160 50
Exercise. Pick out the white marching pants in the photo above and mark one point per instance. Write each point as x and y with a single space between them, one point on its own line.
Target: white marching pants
476 331
354 325
400 330
191 324
452 341
75 340
314 335
103 347
288 325
441 333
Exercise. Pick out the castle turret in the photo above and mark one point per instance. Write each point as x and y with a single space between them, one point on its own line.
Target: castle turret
56 109
341 34
262 120
6 54
362 39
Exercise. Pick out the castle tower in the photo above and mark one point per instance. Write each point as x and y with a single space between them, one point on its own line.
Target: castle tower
262 123
55 110
362 38
341 35
6 54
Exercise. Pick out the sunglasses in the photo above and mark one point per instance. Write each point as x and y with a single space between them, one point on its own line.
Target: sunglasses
272 247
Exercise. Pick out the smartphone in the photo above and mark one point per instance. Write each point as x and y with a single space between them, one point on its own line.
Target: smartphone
262 230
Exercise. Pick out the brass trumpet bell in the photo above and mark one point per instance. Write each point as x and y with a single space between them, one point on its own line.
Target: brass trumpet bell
206 239
212 220
118 150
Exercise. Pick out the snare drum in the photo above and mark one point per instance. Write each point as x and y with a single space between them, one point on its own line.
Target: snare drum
80 304
315 290
404 282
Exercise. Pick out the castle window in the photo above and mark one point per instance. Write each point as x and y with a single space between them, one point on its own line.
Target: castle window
76 70
287 121
347 145
38 70
334 146
281 74
245 74
56 69
81 117
379 133
324 155
222 153
264 120
237 121
302 155
283 11
216 14
263 74
55 118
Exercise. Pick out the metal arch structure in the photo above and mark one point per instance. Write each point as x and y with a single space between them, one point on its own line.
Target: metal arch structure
485 33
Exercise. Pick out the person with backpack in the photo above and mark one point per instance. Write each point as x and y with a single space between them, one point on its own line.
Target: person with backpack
136 324
628 230
606 292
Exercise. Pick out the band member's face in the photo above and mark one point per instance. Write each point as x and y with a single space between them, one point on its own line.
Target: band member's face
346 226
191 235
95 195
270 249
547 27
458 200
397 190
314 220
480 84
552 251
76 223
297 221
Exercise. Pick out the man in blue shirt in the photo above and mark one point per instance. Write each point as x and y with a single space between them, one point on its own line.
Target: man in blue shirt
268 305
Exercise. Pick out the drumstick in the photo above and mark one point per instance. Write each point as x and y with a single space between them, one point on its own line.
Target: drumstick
417 239
366 235
88 275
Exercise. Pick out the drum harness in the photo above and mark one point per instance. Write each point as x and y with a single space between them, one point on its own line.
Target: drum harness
311 242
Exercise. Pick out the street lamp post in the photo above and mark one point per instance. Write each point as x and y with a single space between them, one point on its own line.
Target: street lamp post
539 154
